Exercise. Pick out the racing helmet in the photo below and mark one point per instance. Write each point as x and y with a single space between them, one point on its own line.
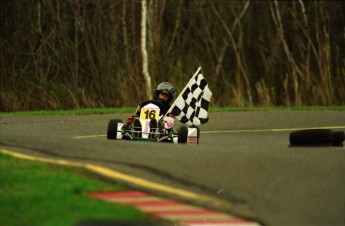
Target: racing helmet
167 88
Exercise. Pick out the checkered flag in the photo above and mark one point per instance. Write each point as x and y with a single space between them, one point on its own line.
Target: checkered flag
191 106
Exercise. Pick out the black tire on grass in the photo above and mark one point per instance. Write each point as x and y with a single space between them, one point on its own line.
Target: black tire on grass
311 137
317 136
338 138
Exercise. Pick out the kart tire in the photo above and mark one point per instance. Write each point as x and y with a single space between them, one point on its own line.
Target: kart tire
312 137
112 129
182 134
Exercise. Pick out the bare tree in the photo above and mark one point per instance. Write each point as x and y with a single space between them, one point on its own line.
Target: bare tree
295 70
237 47
91 53
145 69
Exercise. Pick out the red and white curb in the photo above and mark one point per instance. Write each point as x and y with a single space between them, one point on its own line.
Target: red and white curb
181 213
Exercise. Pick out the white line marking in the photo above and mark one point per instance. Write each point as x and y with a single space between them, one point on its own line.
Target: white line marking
272 130
88 136
231 131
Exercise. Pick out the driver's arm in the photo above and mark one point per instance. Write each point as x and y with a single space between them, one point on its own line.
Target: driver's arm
137 112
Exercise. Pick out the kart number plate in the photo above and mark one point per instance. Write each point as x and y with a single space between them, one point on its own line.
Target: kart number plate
148 114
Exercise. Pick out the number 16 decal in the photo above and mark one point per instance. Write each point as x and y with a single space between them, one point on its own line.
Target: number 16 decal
146 114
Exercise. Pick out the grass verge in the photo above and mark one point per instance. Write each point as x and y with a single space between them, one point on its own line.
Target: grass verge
84 111
88 111
41 194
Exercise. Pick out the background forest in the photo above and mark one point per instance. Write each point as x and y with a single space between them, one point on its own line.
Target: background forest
65 54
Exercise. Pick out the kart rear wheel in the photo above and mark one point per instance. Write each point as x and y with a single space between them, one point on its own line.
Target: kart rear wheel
182 134
112 129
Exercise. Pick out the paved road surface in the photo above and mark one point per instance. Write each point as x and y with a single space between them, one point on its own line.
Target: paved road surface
243 158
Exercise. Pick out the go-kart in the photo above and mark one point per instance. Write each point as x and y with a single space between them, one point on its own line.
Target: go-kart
151 125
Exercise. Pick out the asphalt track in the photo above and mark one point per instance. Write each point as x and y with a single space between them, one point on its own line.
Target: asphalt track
243 164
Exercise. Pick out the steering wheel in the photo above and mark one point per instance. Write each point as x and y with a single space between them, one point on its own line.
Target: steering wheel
155 102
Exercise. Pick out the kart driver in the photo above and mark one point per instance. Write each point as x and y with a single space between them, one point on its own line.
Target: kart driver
164 93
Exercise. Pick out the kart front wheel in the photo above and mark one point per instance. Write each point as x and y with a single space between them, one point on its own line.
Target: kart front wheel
182 135
112 129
